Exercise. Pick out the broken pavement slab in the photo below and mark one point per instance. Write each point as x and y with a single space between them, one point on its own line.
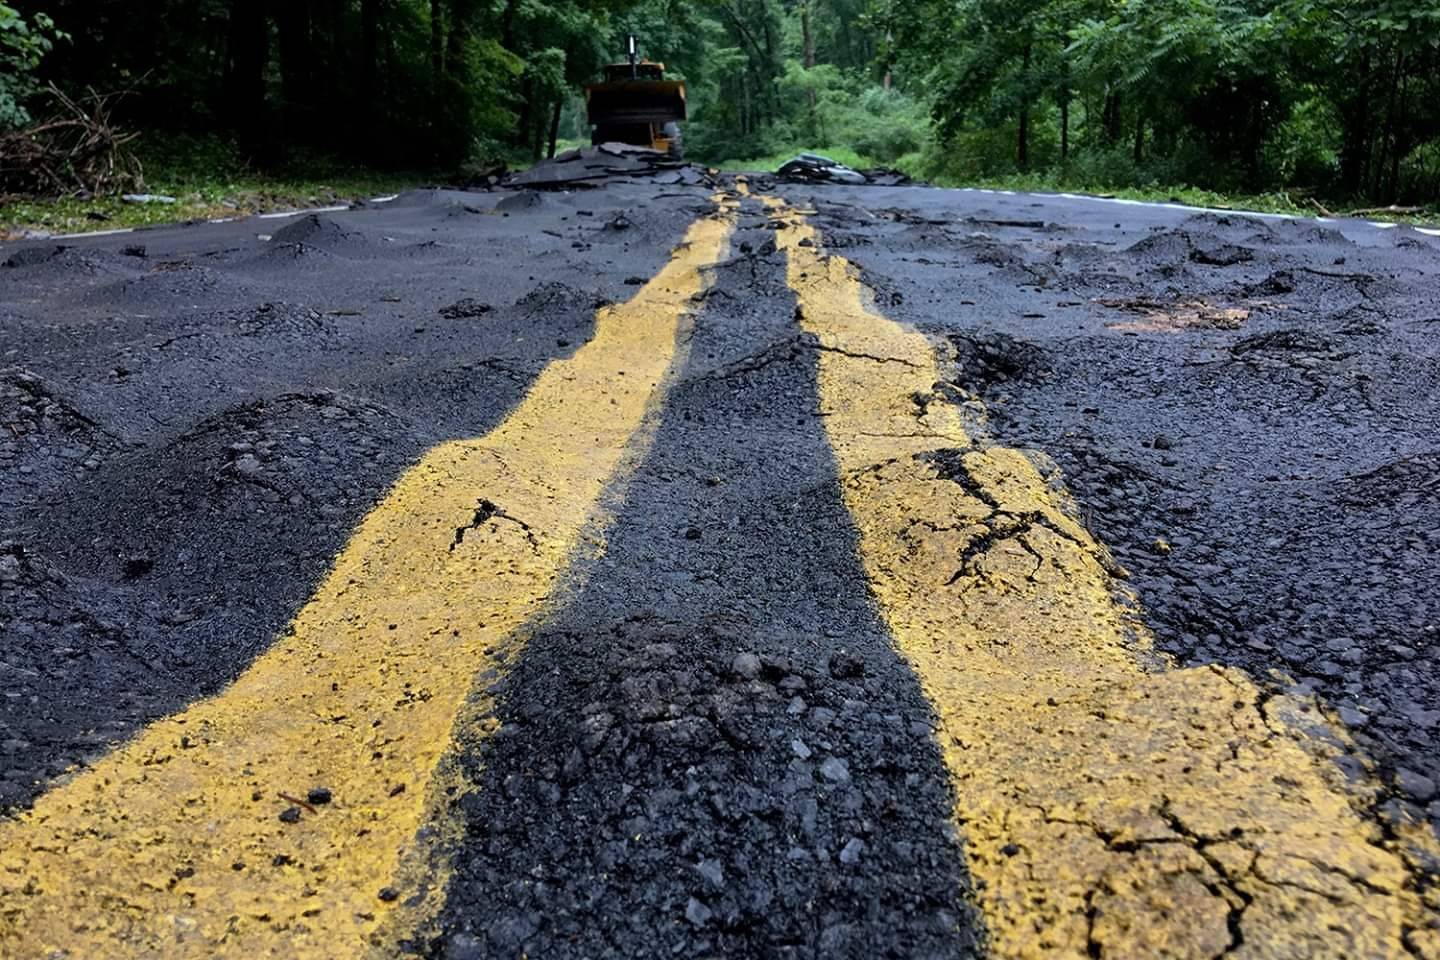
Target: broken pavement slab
593 166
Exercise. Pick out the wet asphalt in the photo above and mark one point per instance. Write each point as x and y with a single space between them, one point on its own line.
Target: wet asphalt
710 746
1246 410
195 418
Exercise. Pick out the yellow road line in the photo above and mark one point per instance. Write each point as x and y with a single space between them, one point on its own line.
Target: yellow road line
1107 809
173 846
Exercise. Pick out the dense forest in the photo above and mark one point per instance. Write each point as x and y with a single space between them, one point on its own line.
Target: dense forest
1329 98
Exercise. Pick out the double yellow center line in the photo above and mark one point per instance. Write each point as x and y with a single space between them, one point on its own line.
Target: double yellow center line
1106 809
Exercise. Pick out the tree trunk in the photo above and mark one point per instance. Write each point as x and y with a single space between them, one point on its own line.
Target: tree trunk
555 127
809 43
1355 138
523 126
1065 129
1022 139
1138 153
1066 95
1402 144
337 74
771 69
437 43
458 37
807 34
369 51
1389 143
293 19
248 55
889 79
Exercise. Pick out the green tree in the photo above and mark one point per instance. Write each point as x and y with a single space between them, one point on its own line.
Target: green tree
23 44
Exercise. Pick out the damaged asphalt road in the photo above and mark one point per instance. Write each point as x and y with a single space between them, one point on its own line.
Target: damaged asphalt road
1246 410
759 710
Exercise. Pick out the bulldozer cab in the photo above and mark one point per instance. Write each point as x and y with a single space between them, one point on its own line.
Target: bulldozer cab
636 105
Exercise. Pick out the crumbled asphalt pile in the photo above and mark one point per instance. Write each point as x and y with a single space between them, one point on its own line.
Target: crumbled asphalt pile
593 166
1244 411
318 230
711 749
46 441
813 168
191 428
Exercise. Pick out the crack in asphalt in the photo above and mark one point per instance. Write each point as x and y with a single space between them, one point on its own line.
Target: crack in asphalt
485 511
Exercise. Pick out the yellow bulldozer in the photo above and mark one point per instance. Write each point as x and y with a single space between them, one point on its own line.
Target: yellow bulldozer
636 105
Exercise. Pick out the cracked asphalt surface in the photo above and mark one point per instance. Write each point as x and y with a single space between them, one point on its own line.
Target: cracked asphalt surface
718 737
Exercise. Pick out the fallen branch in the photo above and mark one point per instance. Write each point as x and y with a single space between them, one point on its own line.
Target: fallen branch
77 150
1390 209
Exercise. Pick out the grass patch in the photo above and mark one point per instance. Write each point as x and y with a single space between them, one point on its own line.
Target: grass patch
208 179
1280 201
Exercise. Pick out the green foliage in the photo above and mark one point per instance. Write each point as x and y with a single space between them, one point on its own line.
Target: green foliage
1335 97
23 44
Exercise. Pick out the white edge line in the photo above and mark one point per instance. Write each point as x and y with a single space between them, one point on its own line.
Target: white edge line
296 213
258 216
1433 232
89 233
387 199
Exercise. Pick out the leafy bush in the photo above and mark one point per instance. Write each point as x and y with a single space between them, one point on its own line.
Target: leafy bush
22 46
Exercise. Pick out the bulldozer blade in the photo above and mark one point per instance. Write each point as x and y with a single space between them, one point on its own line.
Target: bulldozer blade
635 102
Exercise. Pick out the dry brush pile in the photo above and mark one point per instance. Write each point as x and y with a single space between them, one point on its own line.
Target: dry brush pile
76 150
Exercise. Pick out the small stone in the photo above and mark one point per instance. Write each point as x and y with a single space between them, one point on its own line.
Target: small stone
511 932
797 747
1415 784
388 894
697 913
290 815
792 684
846 666
850 853
835 770
822 717
1162 442
247 465
1352 718
712 872
464 946
693 533
746 665
319 796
